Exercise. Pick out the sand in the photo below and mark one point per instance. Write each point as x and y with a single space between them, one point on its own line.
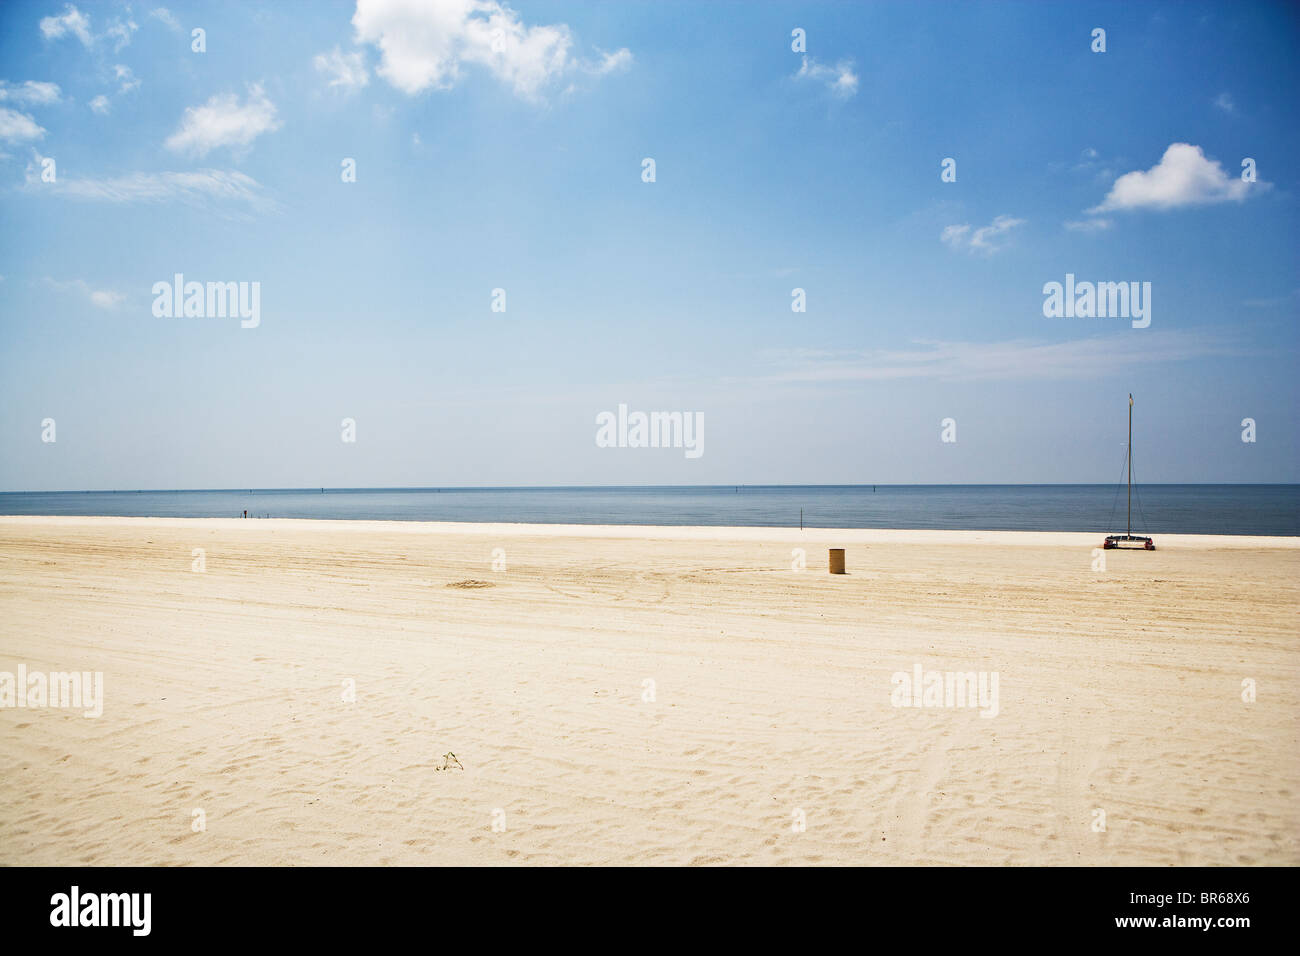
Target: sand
768 736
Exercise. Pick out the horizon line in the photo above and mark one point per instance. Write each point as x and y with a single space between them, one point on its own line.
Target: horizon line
440 488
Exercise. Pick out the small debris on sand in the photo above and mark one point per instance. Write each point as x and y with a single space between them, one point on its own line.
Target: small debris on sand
449 762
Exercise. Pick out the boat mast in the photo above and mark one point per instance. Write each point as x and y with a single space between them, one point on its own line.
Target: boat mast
1130 464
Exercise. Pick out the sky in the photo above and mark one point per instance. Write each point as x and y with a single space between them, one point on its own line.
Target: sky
503 267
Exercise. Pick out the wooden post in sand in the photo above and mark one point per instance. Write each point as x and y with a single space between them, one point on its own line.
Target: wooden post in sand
837 560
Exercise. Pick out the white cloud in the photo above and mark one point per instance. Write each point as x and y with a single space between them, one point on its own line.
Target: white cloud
954 235
165 16
204 188
1089 225
1224 102
1183 177
101 298
424 45
613 62
1289 299
1018 359
165 187
106 299
224 121
346 70
839 79
1090 161
18 127
71 21
986 239
126 79
120 33
30 93
75 23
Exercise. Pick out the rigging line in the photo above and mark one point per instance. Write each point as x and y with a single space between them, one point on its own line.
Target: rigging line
1141 513
1110 522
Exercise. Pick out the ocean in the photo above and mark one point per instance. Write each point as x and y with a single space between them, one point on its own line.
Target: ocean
1157 509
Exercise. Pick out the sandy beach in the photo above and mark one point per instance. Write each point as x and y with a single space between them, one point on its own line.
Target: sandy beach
644 696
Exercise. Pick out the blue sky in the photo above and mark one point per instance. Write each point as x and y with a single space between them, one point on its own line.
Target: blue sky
502 147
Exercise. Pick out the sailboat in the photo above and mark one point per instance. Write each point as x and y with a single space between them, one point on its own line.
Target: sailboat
1113 540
